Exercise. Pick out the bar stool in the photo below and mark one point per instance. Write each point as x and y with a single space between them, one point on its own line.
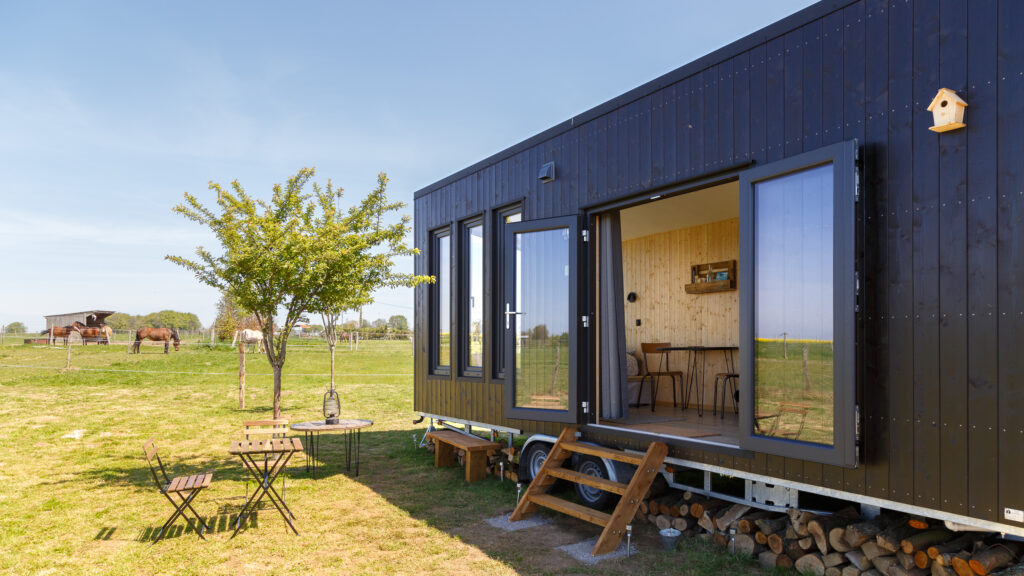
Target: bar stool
727 378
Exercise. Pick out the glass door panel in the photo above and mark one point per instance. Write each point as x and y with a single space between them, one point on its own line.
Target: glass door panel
540 319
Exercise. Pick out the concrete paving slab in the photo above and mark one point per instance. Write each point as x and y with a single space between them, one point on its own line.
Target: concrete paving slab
503 523
581 551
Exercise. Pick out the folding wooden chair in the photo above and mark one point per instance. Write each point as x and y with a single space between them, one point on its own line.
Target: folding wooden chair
254 430
186 488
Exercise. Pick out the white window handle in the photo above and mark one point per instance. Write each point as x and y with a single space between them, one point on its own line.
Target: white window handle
509 312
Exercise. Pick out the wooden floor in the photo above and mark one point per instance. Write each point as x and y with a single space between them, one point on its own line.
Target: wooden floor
681 423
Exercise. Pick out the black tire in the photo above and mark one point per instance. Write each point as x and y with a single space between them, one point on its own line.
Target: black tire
531 460
590 496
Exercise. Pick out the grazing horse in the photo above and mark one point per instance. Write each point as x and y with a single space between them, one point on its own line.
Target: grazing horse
252 337
164 335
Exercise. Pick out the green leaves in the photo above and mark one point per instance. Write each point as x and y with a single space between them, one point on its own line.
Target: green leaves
298 252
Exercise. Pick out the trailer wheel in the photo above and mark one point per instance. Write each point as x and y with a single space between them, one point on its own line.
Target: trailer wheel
532 459
590 496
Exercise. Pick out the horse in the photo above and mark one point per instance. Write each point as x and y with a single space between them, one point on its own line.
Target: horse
56 332
164 335
100 334
252 337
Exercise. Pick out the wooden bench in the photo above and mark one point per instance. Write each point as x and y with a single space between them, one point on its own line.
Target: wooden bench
477 450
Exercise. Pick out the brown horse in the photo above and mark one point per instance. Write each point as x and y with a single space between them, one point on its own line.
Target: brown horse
100 335
164 335
58 332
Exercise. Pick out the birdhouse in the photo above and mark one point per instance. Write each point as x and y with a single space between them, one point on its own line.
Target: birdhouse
947 110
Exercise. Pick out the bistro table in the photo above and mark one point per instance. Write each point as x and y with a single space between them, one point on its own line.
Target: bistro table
698 356
275 452
313 429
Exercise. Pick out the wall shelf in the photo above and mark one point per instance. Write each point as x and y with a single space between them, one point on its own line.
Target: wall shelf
712 277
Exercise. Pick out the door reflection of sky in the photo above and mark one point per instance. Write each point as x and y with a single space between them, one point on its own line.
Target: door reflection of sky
542 281
793 256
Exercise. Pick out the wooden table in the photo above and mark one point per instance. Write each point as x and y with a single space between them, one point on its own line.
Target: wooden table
275 452
313 429
692 370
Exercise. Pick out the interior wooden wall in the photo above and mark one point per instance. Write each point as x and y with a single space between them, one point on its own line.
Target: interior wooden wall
657 267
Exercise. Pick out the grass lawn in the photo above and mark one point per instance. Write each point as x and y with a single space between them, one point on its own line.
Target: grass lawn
76 496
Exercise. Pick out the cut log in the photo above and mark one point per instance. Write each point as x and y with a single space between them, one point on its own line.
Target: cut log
761 538
833 571
872 572
922 540
960 564
776 543
745 544
810 563
940 570
833 559
820 527
921 559
851 570
946 558
793 550
784 561
905 560
806 543
963 542
746 524
663 521
772 524
698 509
800 524
883 563
727 516
837 539
720 540
653 507
767 559
683 523
994 557
918 523
860 532
858 559
707 522
871 550
643 508
901 571
891 538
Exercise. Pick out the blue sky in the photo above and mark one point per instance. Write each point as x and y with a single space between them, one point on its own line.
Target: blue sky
109 112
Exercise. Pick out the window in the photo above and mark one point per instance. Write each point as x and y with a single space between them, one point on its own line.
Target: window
502 219
797 306
471 313
441 304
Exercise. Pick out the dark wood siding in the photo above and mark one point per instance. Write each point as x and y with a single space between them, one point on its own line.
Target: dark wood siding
940 375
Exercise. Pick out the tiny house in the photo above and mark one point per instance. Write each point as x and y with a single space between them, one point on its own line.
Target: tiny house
766 259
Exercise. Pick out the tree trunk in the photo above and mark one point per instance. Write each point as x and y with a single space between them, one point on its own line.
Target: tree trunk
241 375
331 343
277 391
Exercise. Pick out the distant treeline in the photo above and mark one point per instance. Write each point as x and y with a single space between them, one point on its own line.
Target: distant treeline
161 319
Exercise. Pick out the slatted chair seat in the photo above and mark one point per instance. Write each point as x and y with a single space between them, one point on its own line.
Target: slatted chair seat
270 429
185 488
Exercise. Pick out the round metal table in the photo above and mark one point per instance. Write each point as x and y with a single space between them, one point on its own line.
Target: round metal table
312 430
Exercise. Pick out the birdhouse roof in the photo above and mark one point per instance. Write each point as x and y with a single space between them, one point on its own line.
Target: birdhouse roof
946 93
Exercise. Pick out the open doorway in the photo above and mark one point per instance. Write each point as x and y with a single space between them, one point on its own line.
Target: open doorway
675 280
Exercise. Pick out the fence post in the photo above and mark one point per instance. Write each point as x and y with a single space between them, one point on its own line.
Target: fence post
68 365
241 374
211 337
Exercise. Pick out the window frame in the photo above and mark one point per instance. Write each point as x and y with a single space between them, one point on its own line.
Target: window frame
465 278
497 317
843 452
436 367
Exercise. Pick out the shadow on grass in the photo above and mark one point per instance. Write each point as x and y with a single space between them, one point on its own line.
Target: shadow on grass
220 523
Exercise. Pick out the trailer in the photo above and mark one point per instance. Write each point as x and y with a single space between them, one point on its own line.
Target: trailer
809 242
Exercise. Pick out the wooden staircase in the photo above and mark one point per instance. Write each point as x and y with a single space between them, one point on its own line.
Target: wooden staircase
614 524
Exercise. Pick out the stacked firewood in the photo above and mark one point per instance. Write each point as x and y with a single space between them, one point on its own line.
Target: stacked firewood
837 544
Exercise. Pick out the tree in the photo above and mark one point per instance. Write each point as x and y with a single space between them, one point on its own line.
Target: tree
398 323
231 317
294 253
15 328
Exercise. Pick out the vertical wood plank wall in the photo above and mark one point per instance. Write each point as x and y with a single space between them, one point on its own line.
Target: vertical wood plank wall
657 267
941 376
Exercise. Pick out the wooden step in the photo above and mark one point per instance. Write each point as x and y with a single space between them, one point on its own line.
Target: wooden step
571 508
589 480
602 452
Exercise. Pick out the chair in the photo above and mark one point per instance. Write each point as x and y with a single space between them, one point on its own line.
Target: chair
727 378
798 410
186 488
650 349
255 430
